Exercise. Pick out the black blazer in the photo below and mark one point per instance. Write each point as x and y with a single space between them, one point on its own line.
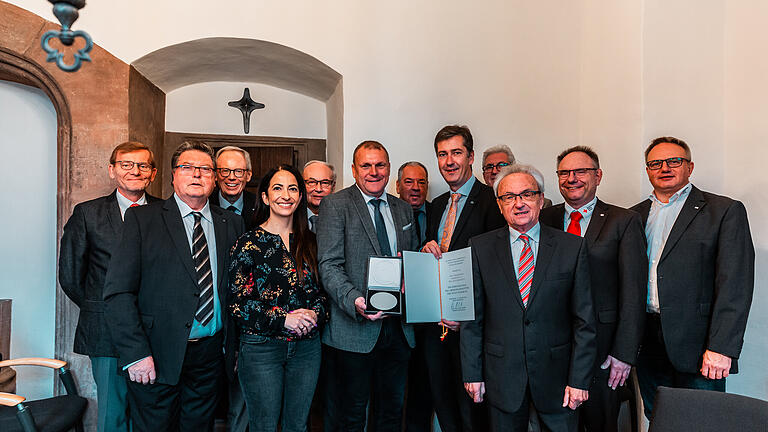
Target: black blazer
89 237
549 344
249 206
706 276
479 215
619 273
151 291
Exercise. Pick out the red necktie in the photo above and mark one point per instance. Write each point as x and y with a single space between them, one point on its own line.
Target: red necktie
525 270
575 227
134 205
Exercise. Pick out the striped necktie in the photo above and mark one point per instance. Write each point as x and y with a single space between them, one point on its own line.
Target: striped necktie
202 262
525 270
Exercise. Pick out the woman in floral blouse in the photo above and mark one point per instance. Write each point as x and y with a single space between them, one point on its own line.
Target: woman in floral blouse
278 305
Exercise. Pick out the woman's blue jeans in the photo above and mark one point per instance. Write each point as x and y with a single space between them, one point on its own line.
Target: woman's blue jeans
278 376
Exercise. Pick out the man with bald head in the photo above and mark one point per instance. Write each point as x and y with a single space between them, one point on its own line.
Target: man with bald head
532 341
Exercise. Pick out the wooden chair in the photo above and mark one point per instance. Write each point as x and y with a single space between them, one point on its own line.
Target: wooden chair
56 414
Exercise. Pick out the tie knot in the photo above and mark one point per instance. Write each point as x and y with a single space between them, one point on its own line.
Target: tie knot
455 197
197 216
232 208
376 202
524 238
576 216
134 205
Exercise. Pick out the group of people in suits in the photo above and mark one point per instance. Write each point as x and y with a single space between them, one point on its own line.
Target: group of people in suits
568 298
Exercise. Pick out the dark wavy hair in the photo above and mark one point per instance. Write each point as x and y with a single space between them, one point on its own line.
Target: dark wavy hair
304 250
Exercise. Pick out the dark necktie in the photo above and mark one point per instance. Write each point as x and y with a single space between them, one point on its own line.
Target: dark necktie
313 223
381 229
233 209
416 214
202 262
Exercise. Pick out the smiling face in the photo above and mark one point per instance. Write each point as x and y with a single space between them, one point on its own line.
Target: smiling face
231 186
131 183
579 190
412 187
371 171
520 214
283 195
665 180
494 158
195 187
454 161
314 176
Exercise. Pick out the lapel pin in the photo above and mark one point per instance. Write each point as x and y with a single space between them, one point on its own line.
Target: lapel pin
696 207
602 214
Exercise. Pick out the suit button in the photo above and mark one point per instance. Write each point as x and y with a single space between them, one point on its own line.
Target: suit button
527 322
188 325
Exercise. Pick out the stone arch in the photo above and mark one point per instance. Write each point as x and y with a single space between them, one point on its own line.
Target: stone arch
251 60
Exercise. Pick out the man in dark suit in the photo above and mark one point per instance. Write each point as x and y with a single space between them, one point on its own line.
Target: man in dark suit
90 235
233 172
165 295
533 337
700 280
412 186
619 277
371 351
320 179
467 210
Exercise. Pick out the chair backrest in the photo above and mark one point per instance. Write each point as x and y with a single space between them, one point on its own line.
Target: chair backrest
701 410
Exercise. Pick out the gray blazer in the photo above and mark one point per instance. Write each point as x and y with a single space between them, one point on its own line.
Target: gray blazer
346 237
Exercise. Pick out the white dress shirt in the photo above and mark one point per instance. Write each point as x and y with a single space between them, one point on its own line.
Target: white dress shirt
389 223
586 215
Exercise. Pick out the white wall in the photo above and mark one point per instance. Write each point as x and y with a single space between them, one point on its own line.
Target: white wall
28 254
202 108
539 76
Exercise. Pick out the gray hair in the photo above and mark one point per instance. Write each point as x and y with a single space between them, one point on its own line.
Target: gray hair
411 163
518 168
329 166
245 154
499 149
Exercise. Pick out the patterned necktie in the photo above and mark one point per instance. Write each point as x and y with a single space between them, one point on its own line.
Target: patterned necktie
313 223
450 221
525 270
202 262
575 227
381 229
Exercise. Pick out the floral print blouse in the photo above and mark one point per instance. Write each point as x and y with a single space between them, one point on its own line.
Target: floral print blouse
264 287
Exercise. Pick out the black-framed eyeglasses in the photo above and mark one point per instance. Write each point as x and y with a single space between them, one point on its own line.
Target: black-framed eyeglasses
526 195
578 172
190 169
325 184
238 172
671 162
128 165
500 165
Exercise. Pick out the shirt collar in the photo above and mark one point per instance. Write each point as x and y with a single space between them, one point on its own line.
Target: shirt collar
532 233
368 198
309 213
186 210
223 203
466 187
423 208
124 202
585 210
676 196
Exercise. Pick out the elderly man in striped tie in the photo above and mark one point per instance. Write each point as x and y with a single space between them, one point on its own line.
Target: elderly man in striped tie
532 343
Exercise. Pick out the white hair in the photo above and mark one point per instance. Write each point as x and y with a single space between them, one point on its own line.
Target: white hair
518 168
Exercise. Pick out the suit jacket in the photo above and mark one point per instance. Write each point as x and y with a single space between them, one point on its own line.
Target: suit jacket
706 276
619 273
346 237
479 215
151 291
89 238
249 206
549 344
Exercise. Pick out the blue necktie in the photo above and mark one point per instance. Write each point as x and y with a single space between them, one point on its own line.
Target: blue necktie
381 229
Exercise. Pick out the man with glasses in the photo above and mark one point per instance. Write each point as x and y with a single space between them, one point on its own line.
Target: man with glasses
468 209
320 179
700 281
494 160
619 276
90 235
533 338
233 172
166 296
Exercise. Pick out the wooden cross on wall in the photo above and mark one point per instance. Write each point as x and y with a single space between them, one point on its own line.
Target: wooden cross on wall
246 105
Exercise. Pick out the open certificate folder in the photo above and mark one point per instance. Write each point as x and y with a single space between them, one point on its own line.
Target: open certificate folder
436 289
